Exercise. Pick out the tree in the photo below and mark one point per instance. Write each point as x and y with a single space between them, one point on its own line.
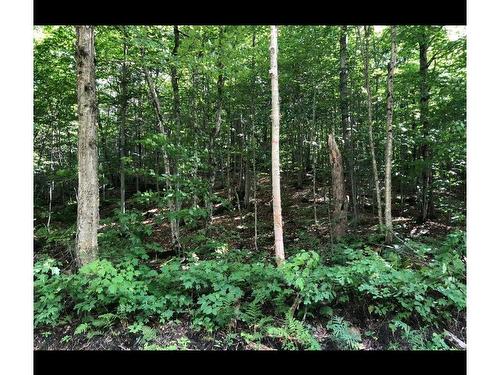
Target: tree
338 197
88 186
388 145
218 115
166 162
425 152
346 120
123 119
253 143
177 121
275 149
370 125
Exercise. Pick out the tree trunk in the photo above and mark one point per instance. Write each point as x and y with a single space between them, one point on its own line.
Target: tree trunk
254 146
370 130
275 149
88 184
314 155
388 145
177 121
123 121
246 174
346 126
140 124
339 210
218 120
300 174
166 161
51 184
424 119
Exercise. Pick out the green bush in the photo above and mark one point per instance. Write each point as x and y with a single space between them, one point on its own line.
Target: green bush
216 293
49 289
294 334
343 334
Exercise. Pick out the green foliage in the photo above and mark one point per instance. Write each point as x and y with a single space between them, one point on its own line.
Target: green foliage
343 335
222 292
181 343
294 335
419 339
124 237
55 237
304 273
49 292
148 334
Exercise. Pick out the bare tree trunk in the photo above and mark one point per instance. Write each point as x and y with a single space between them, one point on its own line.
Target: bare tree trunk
328 210
388 145
275 149
229 186
424 119
88 183
177 120
246 141
339 211
314 156
370 130
218 120
166 161
139 147
254 176
123 121
254 145
157 170
346 121
51 184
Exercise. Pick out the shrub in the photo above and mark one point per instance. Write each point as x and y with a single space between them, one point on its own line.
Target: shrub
345 336
294 334
49 290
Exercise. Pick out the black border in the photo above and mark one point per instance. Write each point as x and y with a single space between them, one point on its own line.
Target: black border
144 362
147 12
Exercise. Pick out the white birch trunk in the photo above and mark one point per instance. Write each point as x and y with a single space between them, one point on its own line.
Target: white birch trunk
388 146
275 149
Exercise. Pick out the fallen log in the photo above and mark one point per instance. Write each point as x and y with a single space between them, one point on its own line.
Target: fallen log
455 339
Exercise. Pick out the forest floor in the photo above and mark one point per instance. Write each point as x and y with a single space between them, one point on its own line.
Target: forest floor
237 230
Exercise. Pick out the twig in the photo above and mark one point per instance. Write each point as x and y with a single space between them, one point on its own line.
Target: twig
455 339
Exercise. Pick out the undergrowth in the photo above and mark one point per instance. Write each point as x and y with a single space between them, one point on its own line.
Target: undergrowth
232 291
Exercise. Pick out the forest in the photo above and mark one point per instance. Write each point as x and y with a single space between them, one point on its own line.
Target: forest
251 187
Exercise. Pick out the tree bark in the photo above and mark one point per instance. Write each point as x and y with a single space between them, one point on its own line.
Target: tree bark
51 183
370 129
346 121
166 161
218 118
314 155
254 146
424 120
339 209
177 121
275 149
123 121
388 145
88 184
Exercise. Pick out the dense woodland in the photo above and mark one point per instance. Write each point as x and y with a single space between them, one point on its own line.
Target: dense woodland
249 187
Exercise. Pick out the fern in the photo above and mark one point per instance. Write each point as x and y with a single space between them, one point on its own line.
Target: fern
416 339
251 312
343 335
294 334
